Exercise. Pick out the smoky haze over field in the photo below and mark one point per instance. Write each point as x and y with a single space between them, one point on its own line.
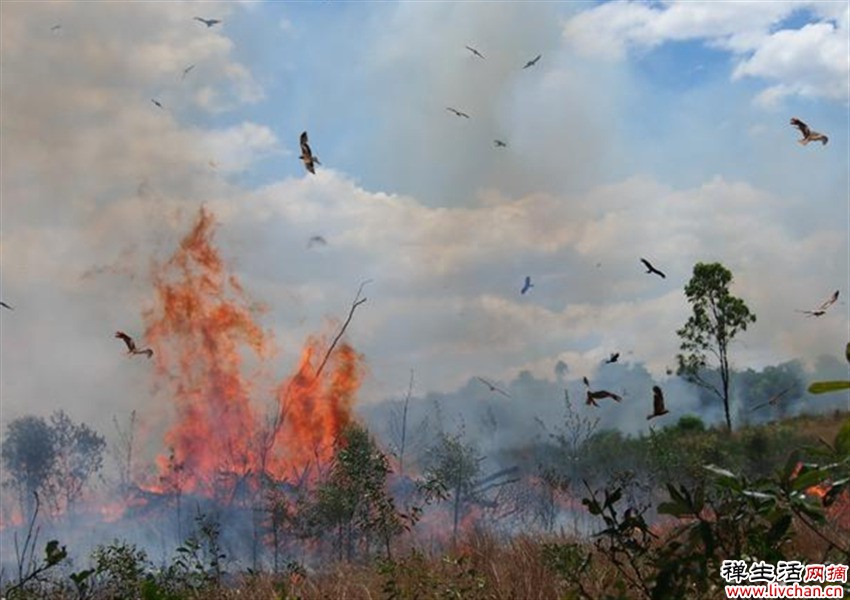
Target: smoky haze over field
672 144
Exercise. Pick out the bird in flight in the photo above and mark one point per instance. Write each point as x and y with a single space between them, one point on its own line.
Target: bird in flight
317 240
532 62
157 103
475 52
650 269
593 396
527 285
615 356
457 112
4 305
500 144
131 345
307 155
657 403
208 22
774 400
808 134
821 310
56 27
492 387
186 71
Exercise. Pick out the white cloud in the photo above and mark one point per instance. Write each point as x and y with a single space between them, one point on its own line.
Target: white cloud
811 61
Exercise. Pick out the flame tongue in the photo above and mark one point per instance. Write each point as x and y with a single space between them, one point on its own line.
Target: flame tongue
202 331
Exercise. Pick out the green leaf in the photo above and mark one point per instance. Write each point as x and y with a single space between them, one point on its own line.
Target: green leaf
824 387
807 479
675 509
842 440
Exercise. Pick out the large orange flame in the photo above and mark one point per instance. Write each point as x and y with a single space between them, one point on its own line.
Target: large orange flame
204 333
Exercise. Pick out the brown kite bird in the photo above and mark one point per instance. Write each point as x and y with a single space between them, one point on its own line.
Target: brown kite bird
307 155
821 310
492 387
657 403
808 134
131 345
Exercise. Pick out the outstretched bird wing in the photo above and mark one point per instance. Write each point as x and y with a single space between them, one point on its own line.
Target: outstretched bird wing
830 302
804 129
131 345
657 400
305 145
475 52
4 305
532 62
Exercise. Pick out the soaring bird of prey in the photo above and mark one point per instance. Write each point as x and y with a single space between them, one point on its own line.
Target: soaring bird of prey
657 403
774 400
186 71
500 144
615 356
527 285
532 62
307 155
157 103
316 240
492 387
131 345
208 22
650 269
457 112
821 310
475 52
4 305
592 396
808 134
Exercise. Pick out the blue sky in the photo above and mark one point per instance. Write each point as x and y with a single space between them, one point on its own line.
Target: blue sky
657 130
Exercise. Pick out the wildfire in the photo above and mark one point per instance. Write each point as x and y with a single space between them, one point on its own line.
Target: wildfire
203 332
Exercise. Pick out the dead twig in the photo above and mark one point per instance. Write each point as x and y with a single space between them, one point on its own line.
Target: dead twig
357 302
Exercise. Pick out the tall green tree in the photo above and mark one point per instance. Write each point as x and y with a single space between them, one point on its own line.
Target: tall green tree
717 318
79 455
28 455
354 499
454 465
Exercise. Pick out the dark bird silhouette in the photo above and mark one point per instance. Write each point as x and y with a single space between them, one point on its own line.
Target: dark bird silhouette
475 52
526 286
592 396
4 305
650 269
186 71
307 155
821 310
492 387
317 240
208 22
131 345
657 403
615 356
774 400
157 103
532 62
500 144
808 134
457 112
56 27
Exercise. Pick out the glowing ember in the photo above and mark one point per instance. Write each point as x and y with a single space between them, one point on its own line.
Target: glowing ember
202 330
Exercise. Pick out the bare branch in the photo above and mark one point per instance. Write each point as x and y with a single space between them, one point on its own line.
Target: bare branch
357 302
